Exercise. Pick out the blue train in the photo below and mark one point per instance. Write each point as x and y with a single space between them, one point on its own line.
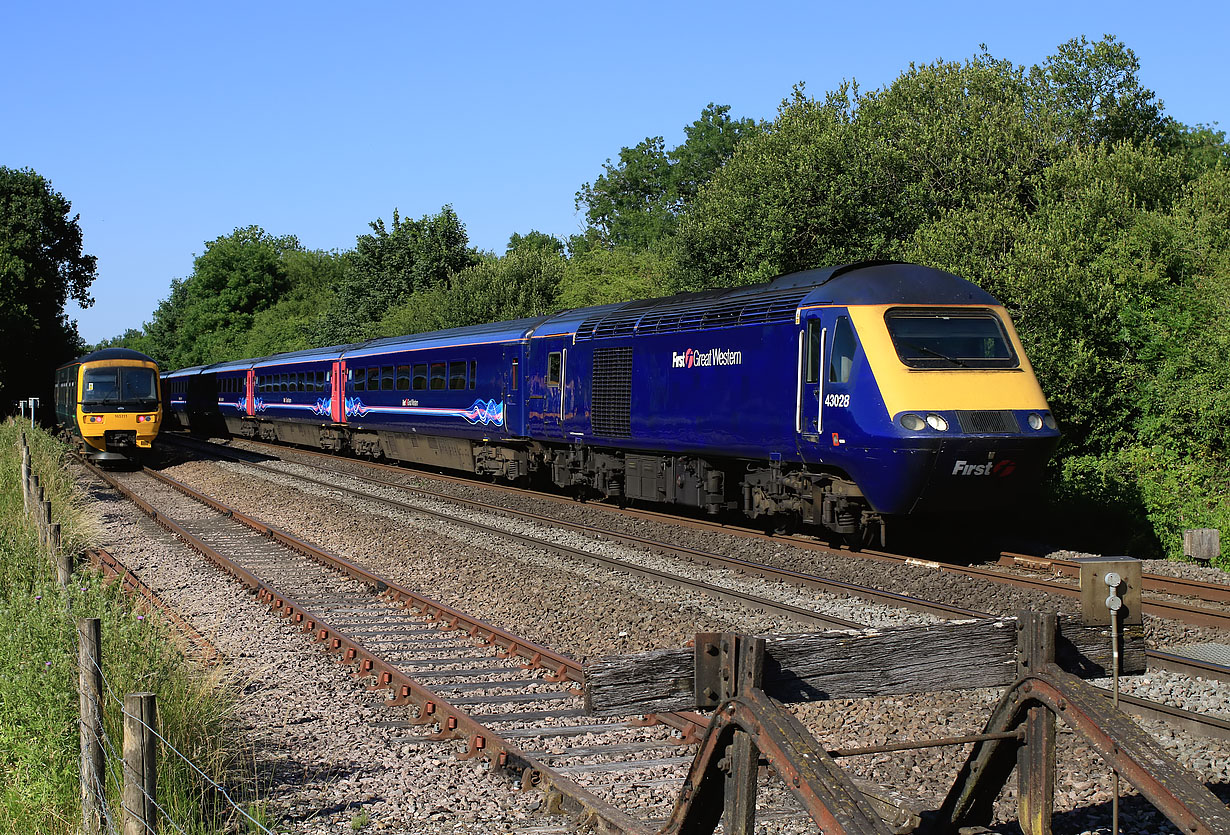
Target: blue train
839 397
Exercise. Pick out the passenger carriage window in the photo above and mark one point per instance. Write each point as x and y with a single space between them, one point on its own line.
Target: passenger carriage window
813 350
403 378
437 376
420 376
360 379
386 378
456 375
373 378
553 368
843 352
473 374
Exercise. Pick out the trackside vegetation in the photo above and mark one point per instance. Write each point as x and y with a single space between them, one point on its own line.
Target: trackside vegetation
1063 188
39 753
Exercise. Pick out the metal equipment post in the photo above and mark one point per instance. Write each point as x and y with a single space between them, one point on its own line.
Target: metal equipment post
1114 603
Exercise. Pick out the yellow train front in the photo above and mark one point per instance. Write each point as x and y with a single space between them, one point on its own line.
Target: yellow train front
110 401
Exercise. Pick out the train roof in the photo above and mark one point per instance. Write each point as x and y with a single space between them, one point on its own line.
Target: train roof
113 354
866 282
183 372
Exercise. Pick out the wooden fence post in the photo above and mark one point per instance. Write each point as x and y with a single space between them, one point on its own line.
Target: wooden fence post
140 764
89 664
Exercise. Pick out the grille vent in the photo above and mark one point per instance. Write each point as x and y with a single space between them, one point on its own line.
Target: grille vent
696 314
612 392
987 423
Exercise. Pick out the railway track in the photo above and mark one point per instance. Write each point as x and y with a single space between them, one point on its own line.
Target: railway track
1216 616
1146 708
513 702
1187 614
529 723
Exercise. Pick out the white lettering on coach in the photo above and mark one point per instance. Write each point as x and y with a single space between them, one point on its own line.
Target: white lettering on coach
692 358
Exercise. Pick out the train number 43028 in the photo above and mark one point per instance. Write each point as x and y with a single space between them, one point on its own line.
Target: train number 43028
839 400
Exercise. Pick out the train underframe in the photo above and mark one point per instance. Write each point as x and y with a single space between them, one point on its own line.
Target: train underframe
775 495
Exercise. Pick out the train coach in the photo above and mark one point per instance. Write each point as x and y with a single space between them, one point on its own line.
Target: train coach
840 397
109 402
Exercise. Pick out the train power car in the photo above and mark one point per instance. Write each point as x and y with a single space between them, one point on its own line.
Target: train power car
109 401
839 397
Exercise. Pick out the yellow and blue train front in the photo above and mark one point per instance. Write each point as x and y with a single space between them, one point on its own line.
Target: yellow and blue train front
961 424
119 411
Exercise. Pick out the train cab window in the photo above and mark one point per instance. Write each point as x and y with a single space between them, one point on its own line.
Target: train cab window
420 376
386 378
456 375
437 376
473 374
373 378
515 376
842 359
950 338
814 332
554 364
403 378
360 379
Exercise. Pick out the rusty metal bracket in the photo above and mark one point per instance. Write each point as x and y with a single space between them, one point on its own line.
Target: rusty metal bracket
1043 693
749 725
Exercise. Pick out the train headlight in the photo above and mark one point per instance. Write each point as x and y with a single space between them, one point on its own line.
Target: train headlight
1049 420
1035 421
95 418
912 423
145 418
937 423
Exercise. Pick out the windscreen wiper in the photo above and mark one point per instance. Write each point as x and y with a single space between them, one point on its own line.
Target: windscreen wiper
927 350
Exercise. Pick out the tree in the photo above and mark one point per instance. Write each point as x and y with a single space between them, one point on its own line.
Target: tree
535 240
208 315
639 200
41 268
388 266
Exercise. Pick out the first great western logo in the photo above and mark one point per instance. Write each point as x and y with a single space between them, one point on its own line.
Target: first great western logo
692 358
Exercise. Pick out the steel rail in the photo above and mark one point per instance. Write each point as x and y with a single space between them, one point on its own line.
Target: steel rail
783 575
454 722
726 595
1157 658
1154 710
110 567
1192 615
1157 583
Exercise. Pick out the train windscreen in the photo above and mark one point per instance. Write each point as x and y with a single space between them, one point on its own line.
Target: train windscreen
120 386
943 338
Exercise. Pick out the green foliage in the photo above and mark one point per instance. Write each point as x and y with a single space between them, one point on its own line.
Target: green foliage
39 783
535 240
390 265
41 268
208 315
639 201
522 284
291 322
602 276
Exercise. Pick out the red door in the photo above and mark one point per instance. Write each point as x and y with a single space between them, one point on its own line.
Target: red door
250 407
337 404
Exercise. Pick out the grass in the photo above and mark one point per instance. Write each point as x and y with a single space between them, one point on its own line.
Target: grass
39 749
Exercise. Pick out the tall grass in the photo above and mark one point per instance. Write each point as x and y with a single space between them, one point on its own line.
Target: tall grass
39 782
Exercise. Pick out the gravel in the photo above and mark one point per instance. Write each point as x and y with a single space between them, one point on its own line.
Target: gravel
586 612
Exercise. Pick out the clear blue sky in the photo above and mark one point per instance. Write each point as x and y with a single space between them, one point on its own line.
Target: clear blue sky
167 125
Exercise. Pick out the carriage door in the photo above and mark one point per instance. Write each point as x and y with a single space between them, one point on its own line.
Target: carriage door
337 392
809 408
546 382
250 388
